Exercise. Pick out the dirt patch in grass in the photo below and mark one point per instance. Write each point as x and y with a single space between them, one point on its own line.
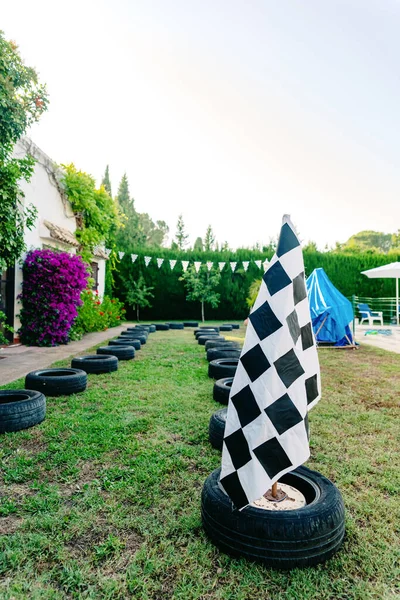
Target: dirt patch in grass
10 524
17 491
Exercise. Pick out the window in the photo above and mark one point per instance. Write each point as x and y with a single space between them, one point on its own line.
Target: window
95 275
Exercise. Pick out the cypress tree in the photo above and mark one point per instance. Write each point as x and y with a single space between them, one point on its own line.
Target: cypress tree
106 181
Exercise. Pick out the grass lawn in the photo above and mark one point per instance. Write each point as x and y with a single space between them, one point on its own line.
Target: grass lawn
102 500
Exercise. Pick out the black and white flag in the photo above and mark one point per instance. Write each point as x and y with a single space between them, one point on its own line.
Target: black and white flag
277 381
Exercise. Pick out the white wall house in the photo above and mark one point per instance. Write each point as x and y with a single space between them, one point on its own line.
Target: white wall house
54 228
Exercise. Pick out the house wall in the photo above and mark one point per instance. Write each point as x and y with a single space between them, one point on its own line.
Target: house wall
42 191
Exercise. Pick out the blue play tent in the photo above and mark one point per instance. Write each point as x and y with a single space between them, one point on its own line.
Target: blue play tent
331 312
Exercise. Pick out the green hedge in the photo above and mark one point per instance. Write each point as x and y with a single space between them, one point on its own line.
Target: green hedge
169 300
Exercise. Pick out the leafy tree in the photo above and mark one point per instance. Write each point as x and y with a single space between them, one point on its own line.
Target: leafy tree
22 101
225 247
150 233
209 240
181 236
201 286
198 245
138 294
368 240
95 211
106 181
127 237
253 292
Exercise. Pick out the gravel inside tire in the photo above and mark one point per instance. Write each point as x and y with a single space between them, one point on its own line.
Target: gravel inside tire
287 539
222 389
21 409
202 339
57 382
121 351
215 353
190 323
162 326
95 363
176 326
222 367
217 343
216 428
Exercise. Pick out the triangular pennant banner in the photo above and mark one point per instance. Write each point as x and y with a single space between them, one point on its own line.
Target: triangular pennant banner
134 257
233 265
258 263
172 263
265 264
197 265
159 262
221 265
108 252
209 265
121 255
147 259
276 383
185 264
245 264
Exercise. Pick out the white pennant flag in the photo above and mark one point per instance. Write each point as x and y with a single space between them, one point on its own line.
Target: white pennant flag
108 252
245 264
197 265
265 264
209 265
221 265
134 257
185 264
159 262
121 255
276 383
233 266
147 259
172 263
258 263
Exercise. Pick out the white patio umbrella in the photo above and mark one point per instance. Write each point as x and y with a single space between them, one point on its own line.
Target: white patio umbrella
390 271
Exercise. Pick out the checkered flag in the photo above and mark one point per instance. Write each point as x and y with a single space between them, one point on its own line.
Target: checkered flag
277 381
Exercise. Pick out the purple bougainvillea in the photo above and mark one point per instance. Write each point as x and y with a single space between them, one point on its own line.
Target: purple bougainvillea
51 289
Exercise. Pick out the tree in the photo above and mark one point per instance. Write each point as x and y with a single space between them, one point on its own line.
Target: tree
225 247
368 240
201 286
181 236
106 181
198 245
209 240
150 233
127 237
22 101
138 293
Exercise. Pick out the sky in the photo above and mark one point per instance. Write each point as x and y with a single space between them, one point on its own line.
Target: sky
229 112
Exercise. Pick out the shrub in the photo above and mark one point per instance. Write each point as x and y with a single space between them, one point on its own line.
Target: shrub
96 315
51 289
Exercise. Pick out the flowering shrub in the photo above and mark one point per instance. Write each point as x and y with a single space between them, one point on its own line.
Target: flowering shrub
51 290
96 315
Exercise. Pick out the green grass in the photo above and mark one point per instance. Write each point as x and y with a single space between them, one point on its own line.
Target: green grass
102 500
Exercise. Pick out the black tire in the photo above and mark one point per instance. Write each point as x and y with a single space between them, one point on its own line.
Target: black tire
215 353
190 323
233 325
121 351
95 363
216 428
126 342
202 339
222 367
222 389
140 328
217 343
152 329
20 409
57 382
176 326
211 334
162 327
206 328
226 328
135 336
287 539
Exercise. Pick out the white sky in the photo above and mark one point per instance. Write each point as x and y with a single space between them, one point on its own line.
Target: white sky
230 112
